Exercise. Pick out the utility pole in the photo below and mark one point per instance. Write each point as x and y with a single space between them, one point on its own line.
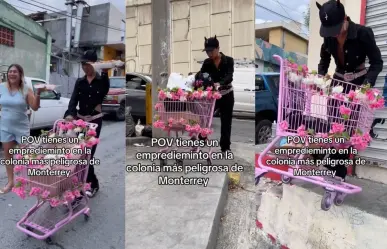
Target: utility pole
160 50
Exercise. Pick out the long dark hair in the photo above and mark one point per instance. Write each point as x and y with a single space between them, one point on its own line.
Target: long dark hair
21 73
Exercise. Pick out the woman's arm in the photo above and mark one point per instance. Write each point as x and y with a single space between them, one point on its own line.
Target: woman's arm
33 100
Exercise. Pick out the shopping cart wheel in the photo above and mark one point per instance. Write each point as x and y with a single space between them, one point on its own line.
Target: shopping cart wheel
49 241
286 179
339 199
179 162
326 201
209 162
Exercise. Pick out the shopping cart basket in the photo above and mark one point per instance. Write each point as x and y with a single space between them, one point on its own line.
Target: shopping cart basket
192 112
60 198
306 109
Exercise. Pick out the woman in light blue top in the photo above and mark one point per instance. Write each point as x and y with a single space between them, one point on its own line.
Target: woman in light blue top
15 97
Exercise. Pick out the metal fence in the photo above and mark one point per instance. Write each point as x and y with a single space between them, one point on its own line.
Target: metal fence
65 84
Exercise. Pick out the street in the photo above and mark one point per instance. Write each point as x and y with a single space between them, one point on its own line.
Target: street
105 228
243 130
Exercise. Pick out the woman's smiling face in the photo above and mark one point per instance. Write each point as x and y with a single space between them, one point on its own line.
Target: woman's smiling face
14 75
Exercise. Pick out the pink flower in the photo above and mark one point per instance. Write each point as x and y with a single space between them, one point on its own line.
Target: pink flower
76 193
196 95
182 121
91 133
345 110
379 104
284 125
370 95
339 96
171 121
158 106
209 95
159 124
337 128
180 92
205 132
62 126
216 95
21 180
367 138
188 128
69 196
196 128
80 123
18 168
69 156
301 131
352 95
35 191
162 95
19 191
45 194
69 126
86 186
18 156
54 202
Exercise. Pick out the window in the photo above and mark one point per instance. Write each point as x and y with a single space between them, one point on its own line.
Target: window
117 82
7 37
46 94
273 80
259 83
136 83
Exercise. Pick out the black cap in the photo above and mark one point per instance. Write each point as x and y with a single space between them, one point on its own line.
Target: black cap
210 44
332 14
89 56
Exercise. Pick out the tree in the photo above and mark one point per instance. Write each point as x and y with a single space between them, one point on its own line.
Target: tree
307 17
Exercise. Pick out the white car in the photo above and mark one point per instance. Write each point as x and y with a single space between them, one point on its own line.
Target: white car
52 106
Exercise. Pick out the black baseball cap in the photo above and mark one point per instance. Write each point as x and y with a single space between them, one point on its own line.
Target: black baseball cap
89 56
210 44
332 14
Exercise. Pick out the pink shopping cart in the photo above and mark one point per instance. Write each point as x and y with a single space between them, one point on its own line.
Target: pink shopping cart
60 198
326 111
179 111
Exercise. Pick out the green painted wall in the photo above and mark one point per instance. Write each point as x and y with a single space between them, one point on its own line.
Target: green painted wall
32 43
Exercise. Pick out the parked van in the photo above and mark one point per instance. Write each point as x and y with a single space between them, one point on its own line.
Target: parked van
52 106
244 89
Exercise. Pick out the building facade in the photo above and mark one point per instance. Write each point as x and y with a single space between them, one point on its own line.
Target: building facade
284 35
102 28
28 44
232 21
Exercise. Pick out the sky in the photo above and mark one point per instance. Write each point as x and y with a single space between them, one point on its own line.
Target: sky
57 4
289 9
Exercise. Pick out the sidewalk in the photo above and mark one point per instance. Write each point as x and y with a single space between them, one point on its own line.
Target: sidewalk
174 217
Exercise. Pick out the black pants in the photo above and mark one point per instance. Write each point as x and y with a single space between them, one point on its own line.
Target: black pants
226 108
91 177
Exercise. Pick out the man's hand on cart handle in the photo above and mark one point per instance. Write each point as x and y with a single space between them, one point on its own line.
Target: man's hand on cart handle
327 77
69 118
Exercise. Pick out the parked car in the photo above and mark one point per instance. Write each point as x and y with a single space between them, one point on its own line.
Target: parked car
136 93
266 105
52 106
114 102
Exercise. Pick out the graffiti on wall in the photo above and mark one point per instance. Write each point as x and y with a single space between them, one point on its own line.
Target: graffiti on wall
264 52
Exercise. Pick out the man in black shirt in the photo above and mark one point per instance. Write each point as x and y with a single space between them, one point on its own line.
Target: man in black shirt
89 92
221 69
349 44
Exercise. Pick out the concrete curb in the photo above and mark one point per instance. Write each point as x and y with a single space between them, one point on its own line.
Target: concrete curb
139 140
219 211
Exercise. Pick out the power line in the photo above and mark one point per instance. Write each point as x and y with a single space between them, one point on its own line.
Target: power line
63 14
276 13
280 4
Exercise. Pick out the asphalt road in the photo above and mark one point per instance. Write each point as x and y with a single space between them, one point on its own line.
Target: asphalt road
243 130
106 226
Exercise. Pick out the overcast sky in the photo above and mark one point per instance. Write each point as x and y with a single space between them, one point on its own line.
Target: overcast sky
57 4
286 9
